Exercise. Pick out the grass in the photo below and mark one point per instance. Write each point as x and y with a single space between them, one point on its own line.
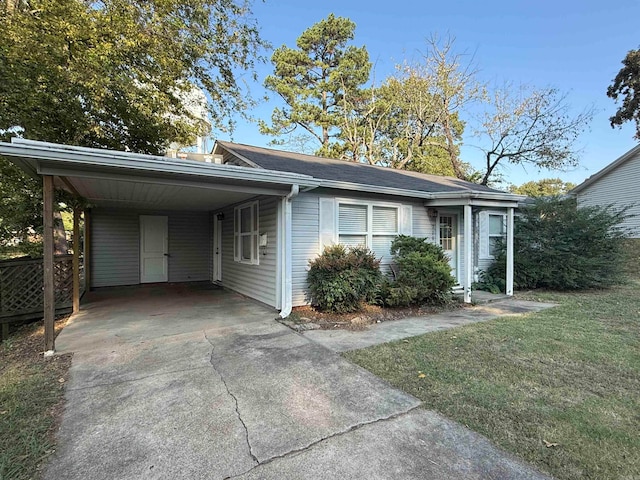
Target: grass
31 395
568 376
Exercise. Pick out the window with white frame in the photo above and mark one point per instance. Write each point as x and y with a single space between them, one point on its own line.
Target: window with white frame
246 233
497 232
368 225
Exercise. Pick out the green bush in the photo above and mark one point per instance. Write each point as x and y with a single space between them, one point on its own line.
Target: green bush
559 246
489 283
422 273
342 279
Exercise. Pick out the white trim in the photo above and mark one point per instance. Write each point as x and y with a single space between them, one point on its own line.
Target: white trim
287 254
485 247
469 195
253 234
72 155
142 220
457 237
490 235
510 234
370 205
468 252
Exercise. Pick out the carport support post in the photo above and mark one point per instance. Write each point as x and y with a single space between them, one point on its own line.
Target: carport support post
468 252
48 273
510 232
76 260
87 250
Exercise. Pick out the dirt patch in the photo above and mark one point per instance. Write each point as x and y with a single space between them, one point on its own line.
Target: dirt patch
308 318
32 396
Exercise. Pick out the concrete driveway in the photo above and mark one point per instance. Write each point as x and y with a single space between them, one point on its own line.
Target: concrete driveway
205 384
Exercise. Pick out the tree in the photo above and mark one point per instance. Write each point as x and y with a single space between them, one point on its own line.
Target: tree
313 79
119 73
411 121
530 127
626 84
547 187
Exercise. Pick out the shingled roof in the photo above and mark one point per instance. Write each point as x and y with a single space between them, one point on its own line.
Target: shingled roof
351 172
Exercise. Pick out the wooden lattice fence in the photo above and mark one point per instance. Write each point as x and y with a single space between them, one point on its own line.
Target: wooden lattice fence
22 284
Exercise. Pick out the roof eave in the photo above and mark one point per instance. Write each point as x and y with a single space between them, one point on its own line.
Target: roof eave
612 166
26 154
461 194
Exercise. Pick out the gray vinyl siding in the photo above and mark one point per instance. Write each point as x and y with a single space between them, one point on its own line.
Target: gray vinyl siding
115 249
306 235
255 281
620 187
305 211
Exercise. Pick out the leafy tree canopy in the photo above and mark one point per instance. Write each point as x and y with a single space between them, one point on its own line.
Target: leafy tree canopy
313 80
120 74
626 86
547 187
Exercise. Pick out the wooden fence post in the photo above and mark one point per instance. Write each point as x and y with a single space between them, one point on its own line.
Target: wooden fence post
48 273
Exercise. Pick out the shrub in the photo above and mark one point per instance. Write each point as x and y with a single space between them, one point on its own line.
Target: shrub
343 278
489 283
559 246
422 273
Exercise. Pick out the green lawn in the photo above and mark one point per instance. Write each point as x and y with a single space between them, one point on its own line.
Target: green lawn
569 375
31 394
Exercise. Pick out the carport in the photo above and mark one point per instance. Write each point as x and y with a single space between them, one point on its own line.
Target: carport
152 219
117 316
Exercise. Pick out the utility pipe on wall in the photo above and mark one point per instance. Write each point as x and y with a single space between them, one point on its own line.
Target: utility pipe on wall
286 254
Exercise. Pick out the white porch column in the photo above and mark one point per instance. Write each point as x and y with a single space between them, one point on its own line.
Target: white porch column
509 288
468 253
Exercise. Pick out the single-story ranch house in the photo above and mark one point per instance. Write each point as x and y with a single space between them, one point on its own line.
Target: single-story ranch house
250 218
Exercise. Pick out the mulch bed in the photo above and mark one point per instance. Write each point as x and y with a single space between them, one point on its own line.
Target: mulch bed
308 318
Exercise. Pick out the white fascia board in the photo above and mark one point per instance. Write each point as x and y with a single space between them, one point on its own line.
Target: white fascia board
147 163
474 202
456 195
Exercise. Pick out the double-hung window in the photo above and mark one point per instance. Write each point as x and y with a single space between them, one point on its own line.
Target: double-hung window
372 226
245 228
497 232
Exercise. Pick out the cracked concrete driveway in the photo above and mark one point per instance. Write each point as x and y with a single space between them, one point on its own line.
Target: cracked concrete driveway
234 394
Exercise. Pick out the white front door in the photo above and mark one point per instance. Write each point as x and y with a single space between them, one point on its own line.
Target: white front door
216 274
154 240
448 234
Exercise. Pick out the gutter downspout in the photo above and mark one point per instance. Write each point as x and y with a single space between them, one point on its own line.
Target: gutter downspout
286 253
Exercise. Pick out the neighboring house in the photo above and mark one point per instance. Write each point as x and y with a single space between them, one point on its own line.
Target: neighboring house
251 218
617 185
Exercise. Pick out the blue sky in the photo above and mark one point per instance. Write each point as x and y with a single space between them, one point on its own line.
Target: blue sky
574 46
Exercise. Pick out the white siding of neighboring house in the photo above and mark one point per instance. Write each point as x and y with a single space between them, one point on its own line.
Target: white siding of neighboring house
115 249
619 187
306 233
255 281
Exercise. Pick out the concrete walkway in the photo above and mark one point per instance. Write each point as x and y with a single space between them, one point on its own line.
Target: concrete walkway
345 340
252 400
